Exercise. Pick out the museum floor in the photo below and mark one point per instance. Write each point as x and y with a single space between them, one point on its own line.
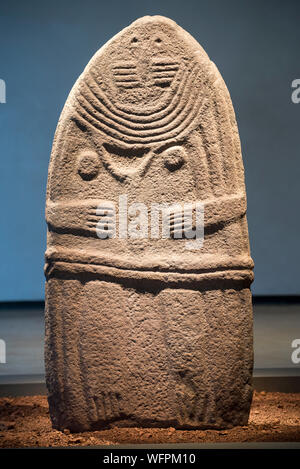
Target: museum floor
24 422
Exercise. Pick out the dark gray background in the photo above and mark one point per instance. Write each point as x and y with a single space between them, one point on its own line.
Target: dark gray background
44 46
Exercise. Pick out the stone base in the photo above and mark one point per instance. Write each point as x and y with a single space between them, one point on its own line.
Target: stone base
119 356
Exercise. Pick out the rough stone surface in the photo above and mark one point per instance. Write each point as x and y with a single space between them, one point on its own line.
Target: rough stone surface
143 332
24 422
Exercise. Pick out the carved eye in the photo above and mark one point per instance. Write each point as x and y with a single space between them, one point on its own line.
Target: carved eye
88 165
174 158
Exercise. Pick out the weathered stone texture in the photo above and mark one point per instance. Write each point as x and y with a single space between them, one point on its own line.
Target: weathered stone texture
144 331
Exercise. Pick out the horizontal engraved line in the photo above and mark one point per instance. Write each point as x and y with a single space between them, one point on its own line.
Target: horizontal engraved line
181 223
165 64
129 85
106 223
101 212
105 227
163 81
163 77
126 77
125 74
187 263
123 67
127 80
102 218
101 228
165 69
161 72
167 277
96 218
180 229
176 222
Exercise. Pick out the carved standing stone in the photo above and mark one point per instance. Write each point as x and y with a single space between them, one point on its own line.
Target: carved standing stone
142 331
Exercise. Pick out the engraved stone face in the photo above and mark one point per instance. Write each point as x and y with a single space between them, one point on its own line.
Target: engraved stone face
140 330
147 89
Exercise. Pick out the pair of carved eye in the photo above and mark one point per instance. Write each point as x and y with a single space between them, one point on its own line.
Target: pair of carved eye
134 40
89 162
